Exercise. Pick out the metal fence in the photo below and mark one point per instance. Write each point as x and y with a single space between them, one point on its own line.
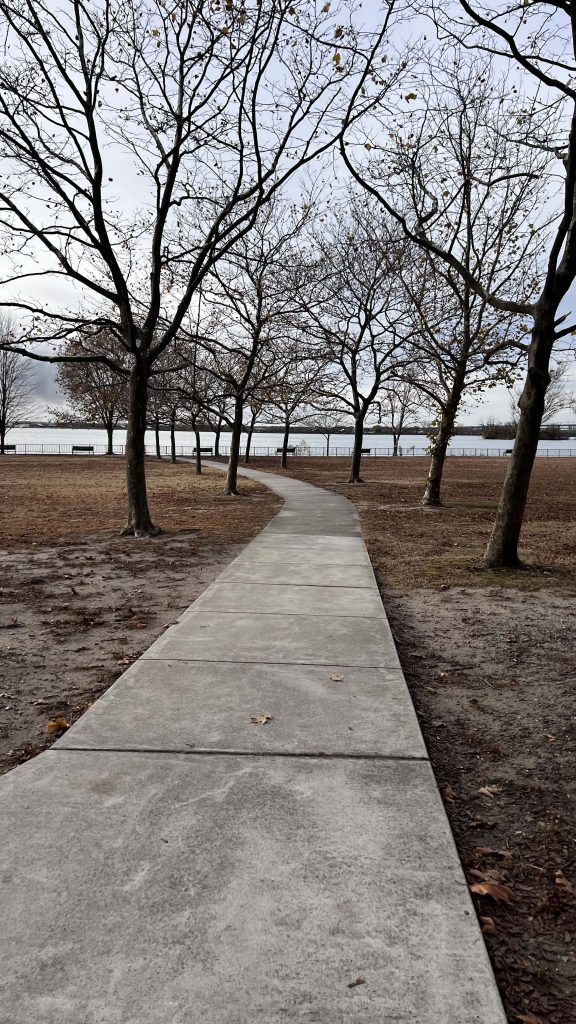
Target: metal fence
187 451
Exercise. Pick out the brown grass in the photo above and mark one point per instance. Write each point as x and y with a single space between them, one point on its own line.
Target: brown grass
53 498
414 546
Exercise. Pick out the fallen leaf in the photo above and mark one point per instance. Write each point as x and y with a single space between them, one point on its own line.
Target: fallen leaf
57 725
487 851
335 678
359 981
529 1018
449 793
498 892
437 723
490 790
488 926
261 719
563 883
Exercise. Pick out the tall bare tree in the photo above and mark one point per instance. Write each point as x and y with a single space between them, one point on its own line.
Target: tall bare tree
17 381
357 308
138 141
539 43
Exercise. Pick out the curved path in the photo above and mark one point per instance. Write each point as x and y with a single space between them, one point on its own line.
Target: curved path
171 861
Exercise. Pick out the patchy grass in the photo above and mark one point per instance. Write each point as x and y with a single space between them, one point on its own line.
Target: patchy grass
79 603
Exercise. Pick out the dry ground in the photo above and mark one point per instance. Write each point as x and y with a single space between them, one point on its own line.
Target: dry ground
490 660
78 603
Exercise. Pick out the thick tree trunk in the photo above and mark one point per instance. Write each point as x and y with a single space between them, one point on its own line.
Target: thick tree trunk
172 440
502 549
2 438
217 433
110 435
139 522
198 452
395 440
285 440
249 440
157 435
355 477
232 474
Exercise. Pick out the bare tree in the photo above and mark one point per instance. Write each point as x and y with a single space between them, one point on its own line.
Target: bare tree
400 402
559 395
17 382
139 140
538 41
358 311
95 391
254 305
324 419
302 377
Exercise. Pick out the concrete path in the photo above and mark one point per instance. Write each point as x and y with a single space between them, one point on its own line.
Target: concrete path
170 861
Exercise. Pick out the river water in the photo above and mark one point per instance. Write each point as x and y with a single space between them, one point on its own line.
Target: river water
59 440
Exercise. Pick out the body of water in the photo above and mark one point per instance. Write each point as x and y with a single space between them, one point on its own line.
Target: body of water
59 440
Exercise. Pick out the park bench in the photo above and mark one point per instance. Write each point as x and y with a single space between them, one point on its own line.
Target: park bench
9 448
85 449
365 451
203 451
509 451
289 451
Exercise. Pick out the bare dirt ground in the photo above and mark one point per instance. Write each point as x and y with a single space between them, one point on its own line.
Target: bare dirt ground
490 659
78 603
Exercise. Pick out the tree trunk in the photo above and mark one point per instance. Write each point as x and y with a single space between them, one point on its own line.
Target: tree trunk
139 522
110 434
249 439
2 438
172 439
285 440
157 435
432 493
355 477
502 549
217 433
198 452
395 440
232 474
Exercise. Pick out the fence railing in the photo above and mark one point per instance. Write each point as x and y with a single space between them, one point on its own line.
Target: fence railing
270 451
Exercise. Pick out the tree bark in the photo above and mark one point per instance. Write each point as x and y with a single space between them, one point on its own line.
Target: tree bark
157 435
2 438
232 474
249 440
110 434
198 452
285 440
217 433
139 522
355 477
172 439
502 549
432 493
395 440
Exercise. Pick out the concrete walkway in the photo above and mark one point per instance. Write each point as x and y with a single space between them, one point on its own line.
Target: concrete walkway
170 861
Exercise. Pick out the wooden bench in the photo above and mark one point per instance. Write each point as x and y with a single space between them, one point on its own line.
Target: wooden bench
9 448
289 451
84 449
509 451
203 451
